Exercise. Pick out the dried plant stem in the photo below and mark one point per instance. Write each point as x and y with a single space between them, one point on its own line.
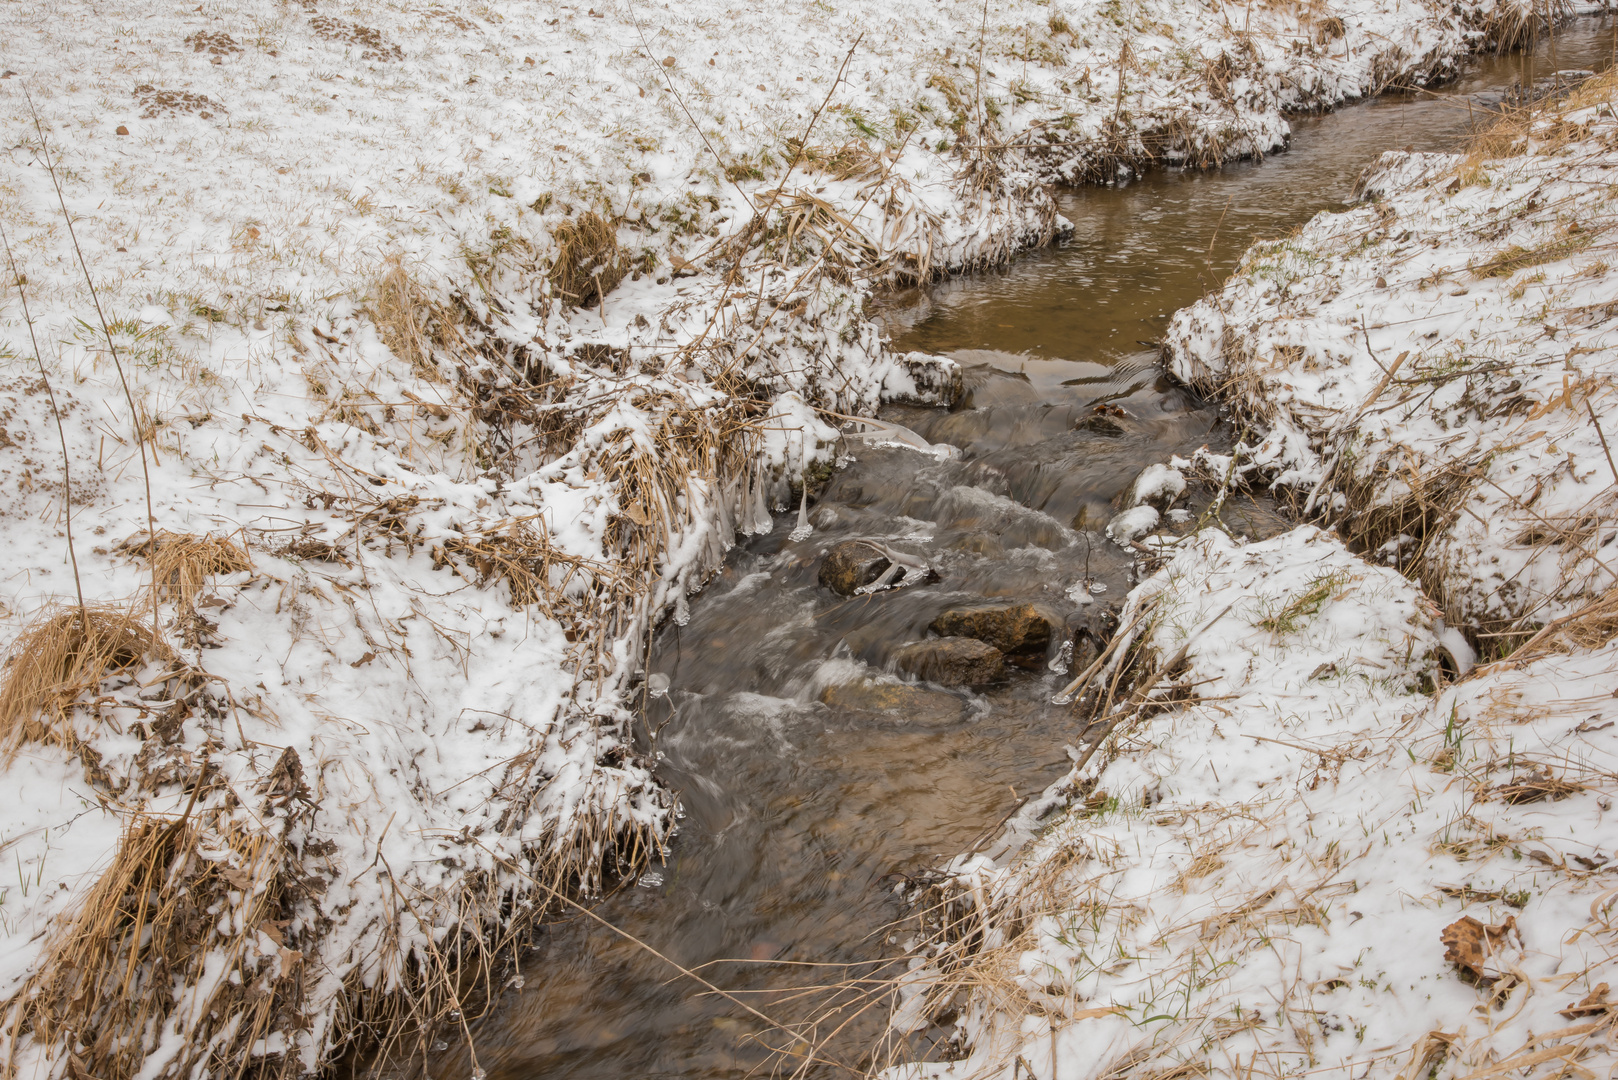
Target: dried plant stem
1602 435
679 99
1138 698
112 348
1088 673
56 413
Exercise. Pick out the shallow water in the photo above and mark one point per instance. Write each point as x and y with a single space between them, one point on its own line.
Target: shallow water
800 818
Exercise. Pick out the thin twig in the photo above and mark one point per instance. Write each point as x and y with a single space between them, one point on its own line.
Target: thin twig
1603 437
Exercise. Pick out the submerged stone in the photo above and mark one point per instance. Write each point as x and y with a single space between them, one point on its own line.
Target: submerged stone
1010 628
909 704
849 565
951 661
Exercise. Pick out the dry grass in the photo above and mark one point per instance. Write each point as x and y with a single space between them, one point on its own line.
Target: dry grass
133 963
1591 627
59 658
182 563
589 264
408 319
1519 25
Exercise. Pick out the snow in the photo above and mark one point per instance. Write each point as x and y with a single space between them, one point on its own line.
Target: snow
461 521
1132 524
1157 484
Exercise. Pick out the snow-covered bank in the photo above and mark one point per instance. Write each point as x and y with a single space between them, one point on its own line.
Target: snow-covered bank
458 344
1266 878
1304 850
1433 371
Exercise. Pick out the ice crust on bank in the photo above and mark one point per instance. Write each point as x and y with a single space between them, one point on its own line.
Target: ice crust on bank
287 168
1264 884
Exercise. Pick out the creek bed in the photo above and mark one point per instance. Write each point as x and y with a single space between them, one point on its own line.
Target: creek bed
801 817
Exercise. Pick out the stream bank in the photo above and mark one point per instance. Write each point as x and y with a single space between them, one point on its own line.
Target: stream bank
427 384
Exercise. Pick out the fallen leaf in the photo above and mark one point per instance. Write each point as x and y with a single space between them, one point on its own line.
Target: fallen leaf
1469 944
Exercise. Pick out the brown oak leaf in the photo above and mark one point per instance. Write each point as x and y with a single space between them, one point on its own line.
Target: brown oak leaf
1468 944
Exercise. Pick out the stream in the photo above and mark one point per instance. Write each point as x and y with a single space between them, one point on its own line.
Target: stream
812 780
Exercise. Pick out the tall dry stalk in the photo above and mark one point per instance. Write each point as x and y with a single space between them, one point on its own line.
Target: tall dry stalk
56 412
106 332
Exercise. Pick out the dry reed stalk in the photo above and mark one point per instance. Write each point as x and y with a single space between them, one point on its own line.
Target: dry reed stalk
135 413
60 657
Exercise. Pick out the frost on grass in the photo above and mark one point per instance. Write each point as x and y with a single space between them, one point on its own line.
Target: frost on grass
459 345
1433 371
1294 861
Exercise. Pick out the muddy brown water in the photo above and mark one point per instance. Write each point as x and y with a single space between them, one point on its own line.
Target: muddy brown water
798 819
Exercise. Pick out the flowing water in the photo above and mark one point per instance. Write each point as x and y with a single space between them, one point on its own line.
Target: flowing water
799 817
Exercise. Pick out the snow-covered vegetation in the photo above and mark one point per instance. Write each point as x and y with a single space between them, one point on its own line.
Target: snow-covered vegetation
433 352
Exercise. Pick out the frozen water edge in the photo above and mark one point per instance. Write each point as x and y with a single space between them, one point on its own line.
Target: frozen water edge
414 714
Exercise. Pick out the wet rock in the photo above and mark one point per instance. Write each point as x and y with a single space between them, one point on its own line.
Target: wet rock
849 565
908 704
951 661
1104 420
1011 628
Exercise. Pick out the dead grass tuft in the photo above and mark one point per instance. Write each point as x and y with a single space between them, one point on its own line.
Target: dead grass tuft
589 264
130 971
61 656
409 320
182 563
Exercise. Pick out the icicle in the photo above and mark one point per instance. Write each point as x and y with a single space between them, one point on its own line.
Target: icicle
758 513
804 529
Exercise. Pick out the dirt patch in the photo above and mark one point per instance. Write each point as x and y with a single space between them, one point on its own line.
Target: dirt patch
375 45
156 103
214 42
445 15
